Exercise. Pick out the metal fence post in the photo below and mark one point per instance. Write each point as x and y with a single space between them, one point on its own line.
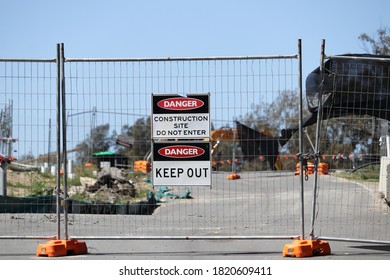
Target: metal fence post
64 148
307 248
317 144
301 141
58 173
56 248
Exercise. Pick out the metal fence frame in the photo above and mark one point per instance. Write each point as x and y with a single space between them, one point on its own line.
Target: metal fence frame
373 192
61 149
8 158
169 60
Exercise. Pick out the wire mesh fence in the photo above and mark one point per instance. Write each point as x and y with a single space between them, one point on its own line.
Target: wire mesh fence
99 185
28 120
112 98
351 204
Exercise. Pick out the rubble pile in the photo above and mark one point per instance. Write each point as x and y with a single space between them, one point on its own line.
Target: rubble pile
110 185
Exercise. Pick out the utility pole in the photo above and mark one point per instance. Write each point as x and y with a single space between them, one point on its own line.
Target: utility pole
49 146
6 141
4 161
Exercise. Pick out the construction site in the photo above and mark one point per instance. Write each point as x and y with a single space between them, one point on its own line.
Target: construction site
224 149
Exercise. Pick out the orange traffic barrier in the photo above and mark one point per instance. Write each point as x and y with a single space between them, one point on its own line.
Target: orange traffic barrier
323 168
142 166
309 168
233 176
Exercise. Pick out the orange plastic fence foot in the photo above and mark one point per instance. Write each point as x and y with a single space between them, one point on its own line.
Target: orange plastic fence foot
299 249
320 247
233 176
306 248
58 248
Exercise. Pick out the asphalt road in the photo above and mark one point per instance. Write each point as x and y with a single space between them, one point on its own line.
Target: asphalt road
194 250
274 195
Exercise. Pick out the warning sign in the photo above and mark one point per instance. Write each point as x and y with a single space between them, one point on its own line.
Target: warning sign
178 117
181 163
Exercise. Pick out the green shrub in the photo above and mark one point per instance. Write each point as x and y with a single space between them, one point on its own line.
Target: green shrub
40 189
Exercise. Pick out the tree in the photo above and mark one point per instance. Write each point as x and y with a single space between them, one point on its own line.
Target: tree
282 112
357 134
344 135
6 128
379 45
141 132
97 141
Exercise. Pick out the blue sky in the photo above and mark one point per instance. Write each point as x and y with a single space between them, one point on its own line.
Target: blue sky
172 28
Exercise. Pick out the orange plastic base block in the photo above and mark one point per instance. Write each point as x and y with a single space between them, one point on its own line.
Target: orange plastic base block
306 248
58 248
233 176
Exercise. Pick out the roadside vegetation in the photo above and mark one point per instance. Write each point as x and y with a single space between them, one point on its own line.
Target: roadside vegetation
368 174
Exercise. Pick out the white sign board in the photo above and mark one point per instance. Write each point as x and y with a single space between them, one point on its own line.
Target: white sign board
178 117
181 163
